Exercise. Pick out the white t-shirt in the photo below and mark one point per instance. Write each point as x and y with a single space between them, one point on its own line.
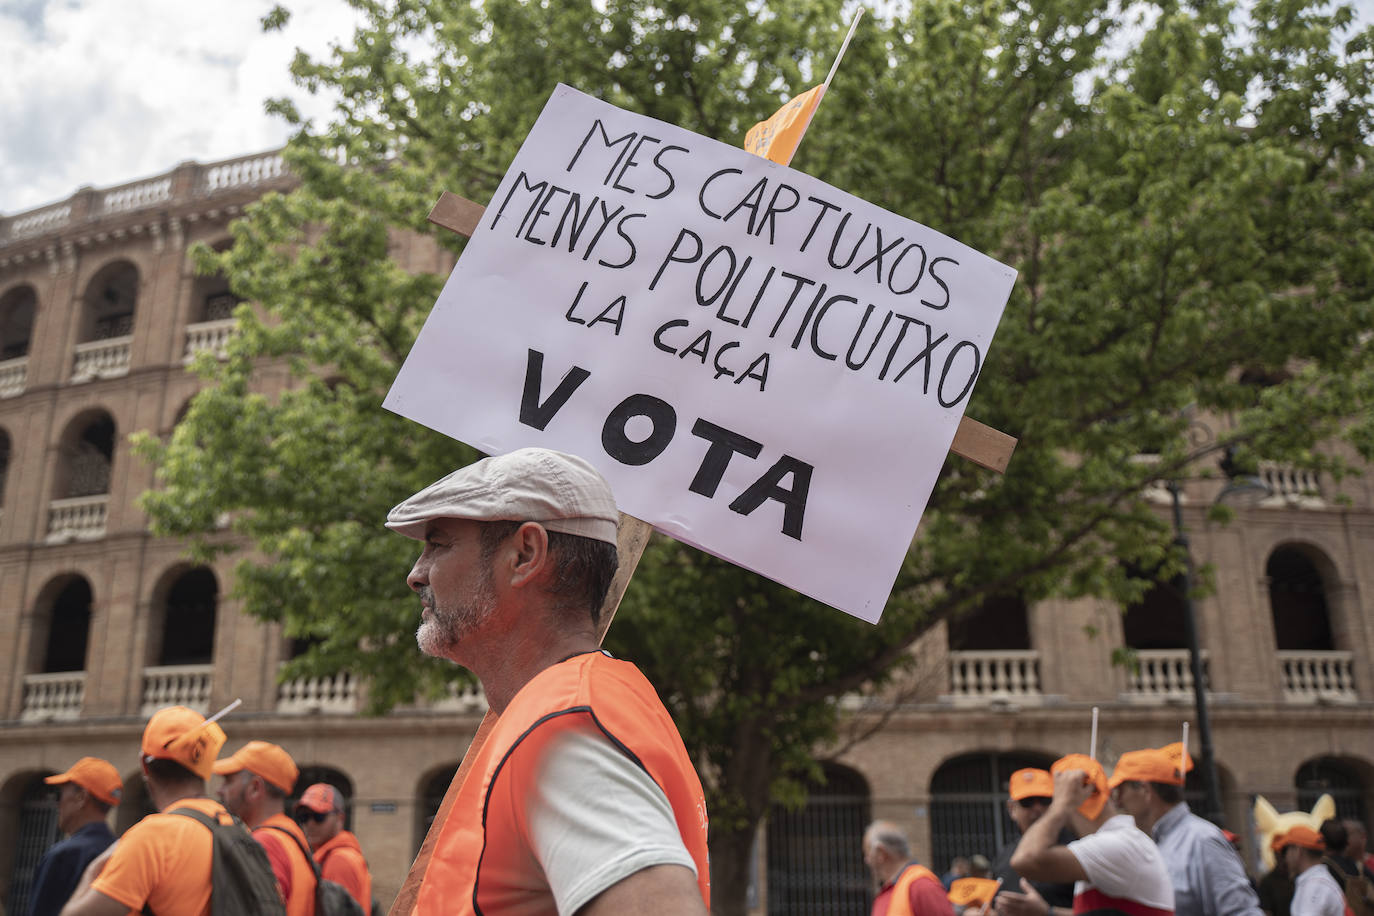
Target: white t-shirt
596 817
1121 860
1316 893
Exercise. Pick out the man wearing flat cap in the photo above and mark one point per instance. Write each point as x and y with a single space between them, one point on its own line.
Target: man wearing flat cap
582 798
257 780
1209 878
87 793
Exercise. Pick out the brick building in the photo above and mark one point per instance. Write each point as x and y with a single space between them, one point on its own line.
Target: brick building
101 623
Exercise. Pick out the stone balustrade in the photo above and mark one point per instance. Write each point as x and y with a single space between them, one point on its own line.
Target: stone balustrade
461 698
37 222
102 359
13 375
136 196
79 518
209 335
247 171
177 685
1163 675
1310 677
1290 486
333 695
53 697
980 677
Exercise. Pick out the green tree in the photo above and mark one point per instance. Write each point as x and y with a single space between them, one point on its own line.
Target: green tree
1186 195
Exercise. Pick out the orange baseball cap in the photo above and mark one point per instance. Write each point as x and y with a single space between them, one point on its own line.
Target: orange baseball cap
1148 765
96 776
1300 835
1030 783
181 734
321 798
974 891
266 760
1095 774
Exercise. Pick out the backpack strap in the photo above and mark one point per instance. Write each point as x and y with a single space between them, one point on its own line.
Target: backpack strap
305 850
210 824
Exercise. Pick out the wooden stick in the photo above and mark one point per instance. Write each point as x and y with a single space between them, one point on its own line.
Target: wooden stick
981 444
631 540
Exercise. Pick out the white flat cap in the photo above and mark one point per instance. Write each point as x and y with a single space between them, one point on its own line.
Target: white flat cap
562 492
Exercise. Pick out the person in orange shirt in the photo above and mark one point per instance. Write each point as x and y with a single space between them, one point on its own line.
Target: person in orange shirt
321 815
164 861
257 780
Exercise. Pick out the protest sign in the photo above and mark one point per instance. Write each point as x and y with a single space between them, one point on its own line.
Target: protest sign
762 365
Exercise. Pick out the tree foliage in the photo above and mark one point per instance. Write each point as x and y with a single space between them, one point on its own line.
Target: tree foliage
1184 188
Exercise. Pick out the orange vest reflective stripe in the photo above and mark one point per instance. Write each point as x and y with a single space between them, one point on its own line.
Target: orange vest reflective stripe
486 821
900 904
302 902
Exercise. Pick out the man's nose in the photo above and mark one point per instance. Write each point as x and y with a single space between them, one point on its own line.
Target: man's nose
419 574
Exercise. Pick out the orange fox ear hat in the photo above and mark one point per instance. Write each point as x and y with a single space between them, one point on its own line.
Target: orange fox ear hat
1271 823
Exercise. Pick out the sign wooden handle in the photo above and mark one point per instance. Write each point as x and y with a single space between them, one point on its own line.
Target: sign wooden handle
979 443
631 539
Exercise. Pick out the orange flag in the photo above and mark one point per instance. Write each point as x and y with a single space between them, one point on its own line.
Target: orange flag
778 137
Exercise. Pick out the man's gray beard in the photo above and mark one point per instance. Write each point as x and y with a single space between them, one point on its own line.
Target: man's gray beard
446 628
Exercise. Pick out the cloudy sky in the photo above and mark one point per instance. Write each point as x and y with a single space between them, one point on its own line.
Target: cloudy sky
100 92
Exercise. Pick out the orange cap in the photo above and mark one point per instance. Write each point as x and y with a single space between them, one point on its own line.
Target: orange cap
1096 775
974 891
321 798
1030 783
181 734
96 776
1148 765
1300 835
1177 753
266 760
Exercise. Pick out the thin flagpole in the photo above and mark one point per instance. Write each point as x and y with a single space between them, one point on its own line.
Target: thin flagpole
1092 748
825 87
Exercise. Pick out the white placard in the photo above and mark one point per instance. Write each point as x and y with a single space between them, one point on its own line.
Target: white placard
762 365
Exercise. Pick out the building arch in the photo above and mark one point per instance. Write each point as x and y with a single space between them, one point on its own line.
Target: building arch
18 306
28 815
1345 779
211 297
109 303
85 456
430 791
968 803
185 605
62 625
1298 575
815 855
313 773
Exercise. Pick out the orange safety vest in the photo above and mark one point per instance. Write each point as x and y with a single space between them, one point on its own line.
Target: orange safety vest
302 902
486 824
900 904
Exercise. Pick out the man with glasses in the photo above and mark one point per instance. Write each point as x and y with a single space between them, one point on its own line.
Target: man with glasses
1030 790
257 781
321 815
1209 878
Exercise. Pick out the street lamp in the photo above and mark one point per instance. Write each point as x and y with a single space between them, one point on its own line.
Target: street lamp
1239 488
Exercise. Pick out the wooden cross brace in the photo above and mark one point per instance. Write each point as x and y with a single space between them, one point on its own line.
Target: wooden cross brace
975 441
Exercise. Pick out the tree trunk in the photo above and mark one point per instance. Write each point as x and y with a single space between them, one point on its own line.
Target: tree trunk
730 857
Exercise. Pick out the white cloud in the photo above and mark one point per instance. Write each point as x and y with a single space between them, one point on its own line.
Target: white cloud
101 92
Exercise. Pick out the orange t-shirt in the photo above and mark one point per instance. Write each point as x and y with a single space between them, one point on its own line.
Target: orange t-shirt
164 861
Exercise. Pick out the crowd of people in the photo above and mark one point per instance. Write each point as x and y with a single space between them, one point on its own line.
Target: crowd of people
1125 844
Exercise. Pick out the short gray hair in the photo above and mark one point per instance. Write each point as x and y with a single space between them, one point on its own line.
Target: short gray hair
889 836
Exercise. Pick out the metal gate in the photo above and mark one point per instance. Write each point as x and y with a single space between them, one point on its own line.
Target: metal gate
968 805
815 855
37 831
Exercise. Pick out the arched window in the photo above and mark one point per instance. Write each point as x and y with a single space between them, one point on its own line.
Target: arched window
17 308
1297 599
109 303
87 456
968 805
815 854
1331 776
312 774
68 621
34 830
432 789
999 624
211 298
188 620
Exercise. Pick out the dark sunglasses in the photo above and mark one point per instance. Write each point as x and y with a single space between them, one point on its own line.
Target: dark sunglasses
1032 801
304 815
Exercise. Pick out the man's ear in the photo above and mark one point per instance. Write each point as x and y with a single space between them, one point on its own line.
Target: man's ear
531 546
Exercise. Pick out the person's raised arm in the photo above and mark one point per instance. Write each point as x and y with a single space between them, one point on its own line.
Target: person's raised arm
1039 857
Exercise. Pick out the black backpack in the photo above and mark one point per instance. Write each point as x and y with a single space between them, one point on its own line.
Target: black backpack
241 879
331 897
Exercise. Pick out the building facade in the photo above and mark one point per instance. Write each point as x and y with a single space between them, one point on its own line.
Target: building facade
101 623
